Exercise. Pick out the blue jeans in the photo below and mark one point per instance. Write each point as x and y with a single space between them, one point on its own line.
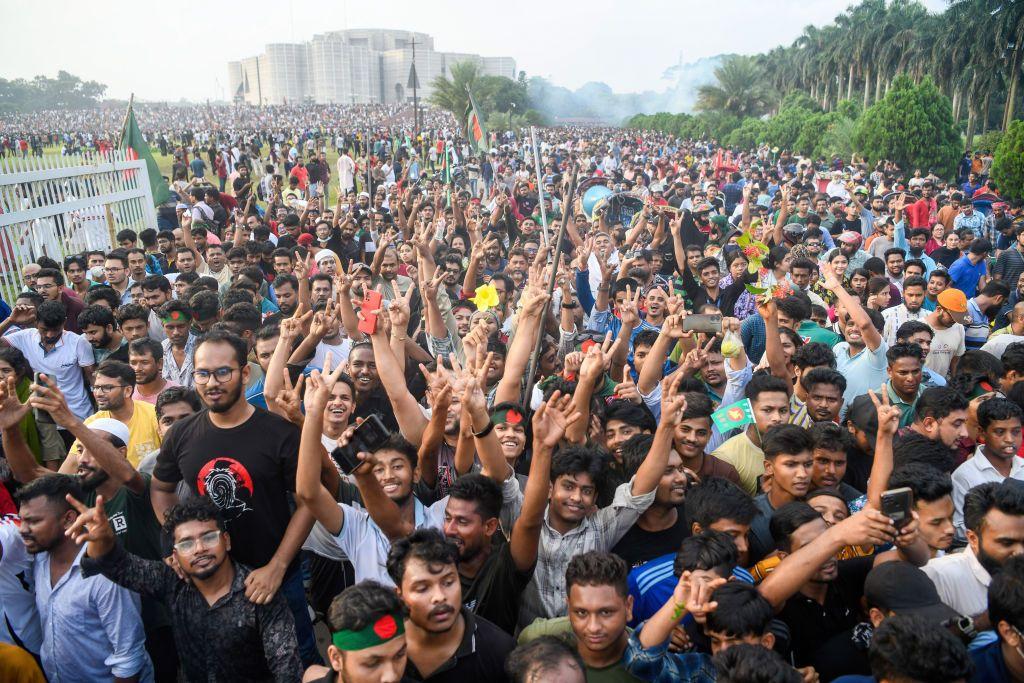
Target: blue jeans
295 594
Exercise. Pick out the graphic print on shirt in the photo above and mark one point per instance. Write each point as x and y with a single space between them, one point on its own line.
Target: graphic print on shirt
228 484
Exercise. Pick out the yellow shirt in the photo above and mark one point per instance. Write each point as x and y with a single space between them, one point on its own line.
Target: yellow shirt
143 435
748 459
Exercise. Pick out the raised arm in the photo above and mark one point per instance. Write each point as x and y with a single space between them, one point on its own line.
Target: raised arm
528 327
410 418
872 337
308 487
19 457
673 403
773 342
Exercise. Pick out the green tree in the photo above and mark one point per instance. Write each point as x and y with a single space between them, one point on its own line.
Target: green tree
451 93
783 129
740 89
67 91
1008 164
913 126
747 135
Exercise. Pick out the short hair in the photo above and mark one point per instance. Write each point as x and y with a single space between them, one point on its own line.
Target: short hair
710 551
204 305
997 408
938 403
796 307
103 293
979 246
980 363
761 384
35 297
645 338
241 349
742 611
77 260
398 444
927 483
814 355
424 544
707 263
718 498
941 274
96 315
172 395
483 491
829 436
786 439
597 568
1013 358
54 487
698 405
893 251
787 519
1006 496
904 350
193 509
914 447
286 279
915 281
540 656
156 282
912 327
131 312
804 264
51 314
144 346
360 605
243 316
746 663
632 414
127 235
634 452
58 277
910 647
1006 594
118 255
579 460
117 369
816 376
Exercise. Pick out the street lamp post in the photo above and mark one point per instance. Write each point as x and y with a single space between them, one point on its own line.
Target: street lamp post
510 110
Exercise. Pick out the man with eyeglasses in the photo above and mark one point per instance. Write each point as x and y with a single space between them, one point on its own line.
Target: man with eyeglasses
243 459
221 634
50 284
115 268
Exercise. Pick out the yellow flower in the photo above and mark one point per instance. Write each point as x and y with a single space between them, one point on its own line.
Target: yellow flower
486 297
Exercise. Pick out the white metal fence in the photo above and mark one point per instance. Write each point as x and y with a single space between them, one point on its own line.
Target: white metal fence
60 205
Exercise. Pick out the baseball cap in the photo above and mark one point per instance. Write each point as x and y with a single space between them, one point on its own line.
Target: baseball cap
902 588
954 301
793 229
305 239
849 237
863 415
116 428
861 190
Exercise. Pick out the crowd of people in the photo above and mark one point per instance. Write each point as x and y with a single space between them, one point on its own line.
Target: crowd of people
329 424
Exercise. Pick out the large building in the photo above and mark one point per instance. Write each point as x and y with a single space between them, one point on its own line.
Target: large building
357 66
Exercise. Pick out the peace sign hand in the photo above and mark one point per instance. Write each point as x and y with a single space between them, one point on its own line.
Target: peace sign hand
888 414
553 418
629 309
92 526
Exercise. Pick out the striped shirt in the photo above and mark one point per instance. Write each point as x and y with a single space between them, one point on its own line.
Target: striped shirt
651 585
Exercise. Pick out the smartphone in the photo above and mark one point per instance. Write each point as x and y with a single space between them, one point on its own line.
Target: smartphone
369 436
709 323
41 415
372 301
897 505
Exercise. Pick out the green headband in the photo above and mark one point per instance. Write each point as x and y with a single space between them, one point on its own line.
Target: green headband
507 416
176 317
386 628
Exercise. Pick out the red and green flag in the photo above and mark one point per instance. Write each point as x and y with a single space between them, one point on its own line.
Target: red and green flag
135 147
734 415
476 133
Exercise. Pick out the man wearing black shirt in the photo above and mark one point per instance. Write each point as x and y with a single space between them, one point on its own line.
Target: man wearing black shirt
243 458
662 527
446 641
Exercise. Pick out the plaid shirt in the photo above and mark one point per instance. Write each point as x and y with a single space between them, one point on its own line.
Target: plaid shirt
545 595
658 665
182 375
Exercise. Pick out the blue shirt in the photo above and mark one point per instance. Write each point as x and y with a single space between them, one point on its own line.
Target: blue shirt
989 664
254 394
966 275
651 585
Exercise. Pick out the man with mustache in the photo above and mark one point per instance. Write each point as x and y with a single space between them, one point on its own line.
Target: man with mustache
445 640
253 641
99 458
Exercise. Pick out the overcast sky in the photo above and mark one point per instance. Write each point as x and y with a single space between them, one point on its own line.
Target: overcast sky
168 51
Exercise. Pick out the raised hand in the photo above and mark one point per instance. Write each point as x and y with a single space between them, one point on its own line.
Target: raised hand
673 401
598 359
626 389
12 411
888 414
629 309
675 302
553 418
400 311
91 526
289 398
49 398
829 278
694 596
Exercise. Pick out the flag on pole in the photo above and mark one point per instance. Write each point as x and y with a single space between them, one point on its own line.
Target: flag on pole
446 164
136 148
475 131
732 416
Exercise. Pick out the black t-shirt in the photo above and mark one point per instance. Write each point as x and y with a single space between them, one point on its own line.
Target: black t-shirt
812 624
639 546
845 653
495 591
480 656
377 403
247 471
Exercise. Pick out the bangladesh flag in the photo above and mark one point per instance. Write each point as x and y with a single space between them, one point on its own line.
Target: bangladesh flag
732 416
475 131
136 148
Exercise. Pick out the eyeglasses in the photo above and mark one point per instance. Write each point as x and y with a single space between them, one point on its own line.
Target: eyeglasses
221 374
190 545
106 388
48 285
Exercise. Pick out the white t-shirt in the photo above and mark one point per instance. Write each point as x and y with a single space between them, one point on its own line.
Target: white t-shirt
62 364
19 619
997 344
339 354
946 345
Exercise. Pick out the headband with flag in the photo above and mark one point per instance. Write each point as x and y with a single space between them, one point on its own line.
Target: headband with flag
176 317
387 627
512 416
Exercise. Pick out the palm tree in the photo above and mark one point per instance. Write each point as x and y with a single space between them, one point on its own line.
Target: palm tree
739 89
453 94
